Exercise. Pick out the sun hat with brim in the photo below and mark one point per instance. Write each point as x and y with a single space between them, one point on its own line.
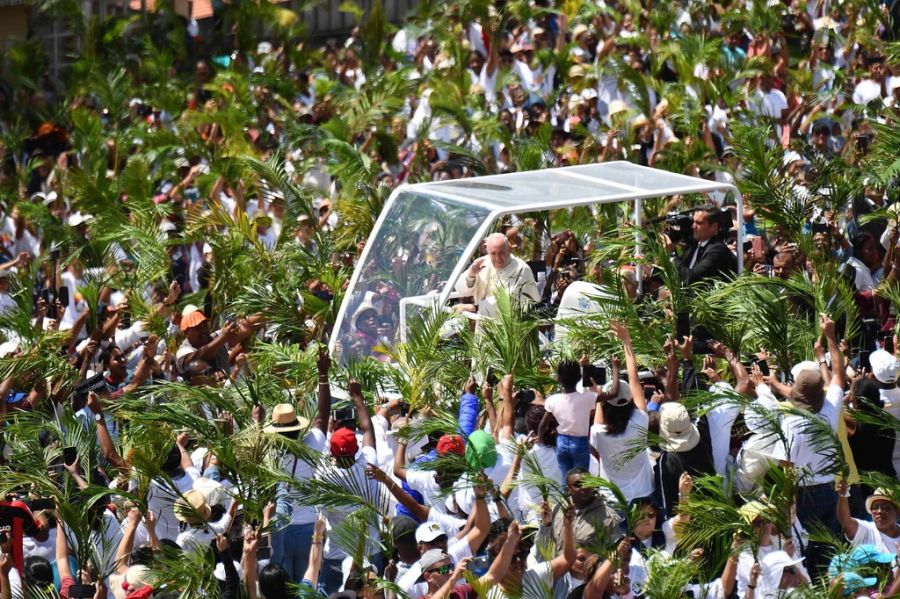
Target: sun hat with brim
884 366
192 508
773 565
285 420
429 559
676 429
623 398
192 319
481 450
808 392
213 491
880 494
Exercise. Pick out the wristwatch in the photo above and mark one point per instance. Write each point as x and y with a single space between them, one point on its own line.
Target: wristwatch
98 417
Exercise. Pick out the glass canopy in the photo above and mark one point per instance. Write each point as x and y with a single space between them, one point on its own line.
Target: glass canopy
427 233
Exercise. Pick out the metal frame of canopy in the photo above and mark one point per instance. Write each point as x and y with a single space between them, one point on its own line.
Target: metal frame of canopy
511 193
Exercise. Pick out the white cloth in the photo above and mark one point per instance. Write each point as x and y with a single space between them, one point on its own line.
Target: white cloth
540 460
634 477
868 534
891 400
301 470
516 277
800 447
354 480
161 500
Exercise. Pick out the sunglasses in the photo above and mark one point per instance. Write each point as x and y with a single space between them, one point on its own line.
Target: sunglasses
789 570
443 570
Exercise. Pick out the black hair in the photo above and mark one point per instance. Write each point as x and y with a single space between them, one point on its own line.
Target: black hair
172 463
858 240
106 354
533 418
274 581
568 372
576 471
37 572
821 128
869 395
616 418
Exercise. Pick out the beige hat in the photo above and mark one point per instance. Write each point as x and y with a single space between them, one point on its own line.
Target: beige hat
808 392
285 420
579 30
880 494
192 508
675 427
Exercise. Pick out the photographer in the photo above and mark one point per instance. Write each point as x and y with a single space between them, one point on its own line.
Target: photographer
707 257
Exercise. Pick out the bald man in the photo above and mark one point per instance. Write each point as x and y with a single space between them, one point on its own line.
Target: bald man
499 267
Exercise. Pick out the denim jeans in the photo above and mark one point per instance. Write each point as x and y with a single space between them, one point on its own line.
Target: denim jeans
290 549
817 507
571 452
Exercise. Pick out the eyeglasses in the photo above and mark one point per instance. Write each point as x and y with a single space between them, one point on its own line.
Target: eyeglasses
882 507
443 570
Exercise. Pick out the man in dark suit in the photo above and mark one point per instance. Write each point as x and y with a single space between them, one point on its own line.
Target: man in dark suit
707 257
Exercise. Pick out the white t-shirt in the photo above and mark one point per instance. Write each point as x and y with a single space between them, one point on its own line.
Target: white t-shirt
198 539
301 470
868 534
572 411
161 500
771 104
634 477
866 91
891 400
354 480
540 460
801 451
423 482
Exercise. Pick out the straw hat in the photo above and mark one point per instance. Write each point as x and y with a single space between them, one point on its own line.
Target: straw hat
192 508
285 420
880 494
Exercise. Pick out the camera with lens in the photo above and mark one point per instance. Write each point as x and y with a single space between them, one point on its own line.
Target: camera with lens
678 226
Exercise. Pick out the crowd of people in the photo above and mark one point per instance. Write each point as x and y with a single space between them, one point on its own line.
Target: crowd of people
592 418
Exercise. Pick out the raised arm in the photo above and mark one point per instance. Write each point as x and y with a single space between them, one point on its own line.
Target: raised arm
249 563
107 447
362 414
419 511
634 382
323 392
145 366
62 549
838 366
848 523
563 562
400 460
481 516
500 567
508 418
126 544
315 553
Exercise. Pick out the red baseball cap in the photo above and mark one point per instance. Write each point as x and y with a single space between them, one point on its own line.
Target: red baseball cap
451 444
343 443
